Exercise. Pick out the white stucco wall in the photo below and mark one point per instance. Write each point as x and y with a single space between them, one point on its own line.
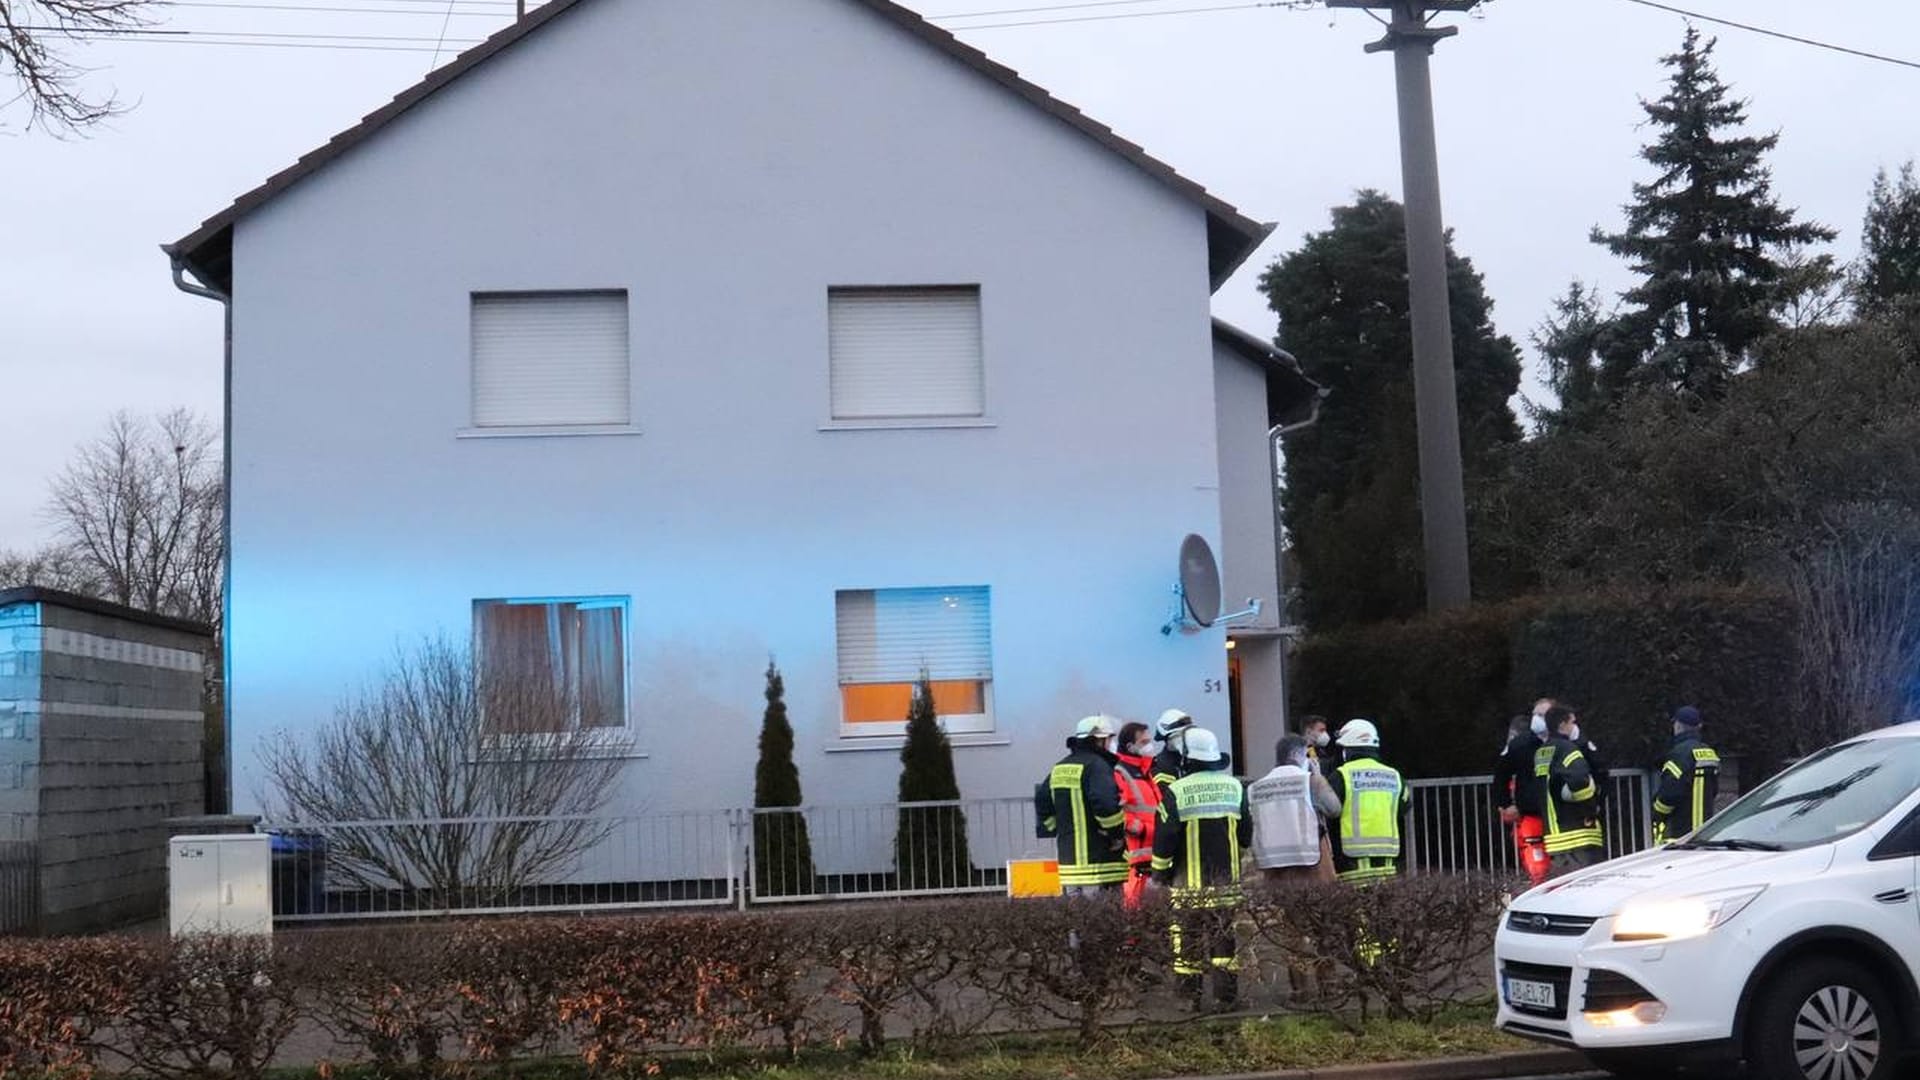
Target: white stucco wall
725 164
1246 488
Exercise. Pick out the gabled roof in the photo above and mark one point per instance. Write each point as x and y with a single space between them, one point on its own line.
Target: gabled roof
208 250
1291 395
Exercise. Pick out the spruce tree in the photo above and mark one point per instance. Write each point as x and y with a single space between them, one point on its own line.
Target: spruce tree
782 854
1889 266
1352 501
1711 244
930 842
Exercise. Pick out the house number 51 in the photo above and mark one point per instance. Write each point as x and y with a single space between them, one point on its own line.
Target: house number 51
1211 686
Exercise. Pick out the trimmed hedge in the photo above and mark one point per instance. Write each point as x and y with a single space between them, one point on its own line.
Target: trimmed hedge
1442 688
442 999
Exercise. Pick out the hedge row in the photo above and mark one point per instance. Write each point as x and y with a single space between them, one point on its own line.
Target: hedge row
1442 688
450 999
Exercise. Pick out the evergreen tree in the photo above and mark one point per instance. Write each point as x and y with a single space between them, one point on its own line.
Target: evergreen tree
1352 502
1584 362
1707 237
1889 266
782 853
930 843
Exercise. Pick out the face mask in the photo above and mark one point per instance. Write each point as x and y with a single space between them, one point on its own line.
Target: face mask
1539 724
1298 761
1320 739
1146 749
1575 733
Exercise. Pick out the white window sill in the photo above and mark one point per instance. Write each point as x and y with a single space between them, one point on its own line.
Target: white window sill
909 423
579 431
859 744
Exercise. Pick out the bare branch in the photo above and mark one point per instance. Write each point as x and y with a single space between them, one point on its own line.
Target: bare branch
33 37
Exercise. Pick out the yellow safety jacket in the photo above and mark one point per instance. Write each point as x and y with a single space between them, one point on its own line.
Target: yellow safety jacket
1203 826
1079 805
1373 798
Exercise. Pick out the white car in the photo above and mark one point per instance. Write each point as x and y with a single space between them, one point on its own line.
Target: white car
1785 932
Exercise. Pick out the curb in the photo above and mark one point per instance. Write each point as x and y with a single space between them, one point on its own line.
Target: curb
1520 1063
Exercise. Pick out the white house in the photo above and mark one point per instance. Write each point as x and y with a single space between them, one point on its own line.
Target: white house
670 334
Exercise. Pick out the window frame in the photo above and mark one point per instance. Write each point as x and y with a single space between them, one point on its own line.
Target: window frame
473 429
584 602
962 724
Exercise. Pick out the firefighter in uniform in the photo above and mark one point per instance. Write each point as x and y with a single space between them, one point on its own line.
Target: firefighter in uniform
1204 825
1140 801
1574 839
1079 806
1518 795
1373 800
1689 780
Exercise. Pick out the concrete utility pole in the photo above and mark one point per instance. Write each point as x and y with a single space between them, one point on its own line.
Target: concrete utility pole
1443 500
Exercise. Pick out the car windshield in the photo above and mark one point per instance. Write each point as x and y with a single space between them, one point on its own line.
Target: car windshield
1838 791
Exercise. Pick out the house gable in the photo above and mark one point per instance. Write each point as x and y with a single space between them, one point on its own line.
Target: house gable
208 251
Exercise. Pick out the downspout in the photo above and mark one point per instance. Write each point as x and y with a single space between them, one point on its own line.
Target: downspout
180 281
1274 435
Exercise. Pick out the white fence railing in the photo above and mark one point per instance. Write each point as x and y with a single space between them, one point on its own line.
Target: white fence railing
736 857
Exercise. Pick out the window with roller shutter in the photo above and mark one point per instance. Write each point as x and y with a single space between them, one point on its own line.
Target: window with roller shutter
551 360
906 353
887 637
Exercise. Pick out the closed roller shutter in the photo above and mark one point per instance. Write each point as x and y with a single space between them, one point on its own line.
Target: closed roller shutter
550 360
905 353
888 635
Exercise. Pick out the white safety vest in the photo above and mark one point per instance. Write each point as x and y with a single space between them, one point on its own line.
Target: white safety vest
1285 832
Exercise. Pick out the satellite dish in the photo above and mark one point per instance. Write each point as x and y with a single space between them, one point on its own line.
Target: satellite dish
1196 594
1199 581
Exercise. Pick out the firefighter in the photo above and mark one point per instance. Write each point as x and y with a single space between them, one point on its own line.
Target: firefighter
1140 801
1571 796
1518 794
1079 806
1204 825
1373 800
1689 780
1170 729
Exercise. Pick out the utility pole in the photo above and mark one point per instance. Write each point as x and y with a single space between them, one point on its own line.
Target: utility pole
1443 500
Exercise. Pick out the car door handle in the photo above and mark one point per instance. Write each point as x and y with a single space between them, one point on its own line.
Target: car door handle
1894 896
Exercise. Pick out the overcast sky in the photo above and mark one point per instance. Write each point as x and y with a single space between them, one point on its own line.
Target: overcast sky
1278 111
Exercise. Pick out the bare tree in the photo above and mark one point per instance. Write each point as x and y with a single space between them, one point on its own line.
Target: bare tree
1858 594
53 567
489 783
142 509
33 34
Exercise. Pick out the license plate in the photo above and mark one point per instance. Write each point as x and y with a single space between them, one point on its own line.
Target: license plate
1538 995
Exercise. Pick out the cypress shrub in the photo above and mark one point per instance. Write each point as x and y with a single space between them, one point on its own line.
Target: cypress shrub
930 843
782 854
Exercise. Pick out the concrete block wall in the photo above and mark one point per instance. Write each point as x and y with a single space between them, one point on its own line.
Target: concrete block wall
107 714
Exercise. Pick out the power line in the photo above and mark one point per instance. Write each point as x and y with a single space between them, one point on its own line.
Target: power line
444 23
1777 34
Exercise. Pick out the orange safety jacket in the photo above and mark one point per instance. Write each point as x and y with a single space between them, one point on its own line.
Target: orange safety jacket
1140 798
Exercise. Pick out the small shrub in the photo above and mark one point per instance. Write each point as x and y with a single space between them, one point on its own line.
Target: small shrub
389 993
509 979
930 842
1076 960
55 996
206 1008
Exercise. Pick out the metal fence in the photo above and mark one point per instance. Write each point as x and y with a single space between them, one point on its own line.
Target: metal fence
1454 826
468 866
504 865
890 849
19 887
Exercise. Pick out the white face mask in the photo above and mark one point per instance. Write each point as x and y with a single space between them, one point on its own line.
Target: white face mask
1539 724
1146 749
1321 739
1573 733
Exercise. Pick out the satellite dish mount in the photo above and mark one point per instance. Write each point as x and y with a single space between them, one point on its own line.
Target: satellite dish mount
1196 591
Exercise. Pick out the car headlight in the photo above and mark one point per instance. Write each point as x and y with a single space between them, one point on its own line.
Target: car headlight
1688 916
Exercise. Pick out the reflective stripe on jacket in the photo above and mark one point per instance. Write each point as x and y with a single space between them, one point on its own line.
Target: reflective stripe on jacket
1140 801
1372 798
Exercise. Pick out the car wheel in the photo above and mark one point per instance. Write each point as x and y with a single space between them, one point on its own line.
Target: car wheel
1823 1020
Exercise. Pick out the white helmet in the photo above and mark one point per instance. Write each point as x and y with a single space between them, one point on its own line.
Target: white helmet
1360 733
1098 726
1201 745
1171 721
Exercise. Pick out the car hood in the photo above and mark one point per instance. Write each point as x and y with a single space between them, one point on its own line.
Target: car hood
1666 873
